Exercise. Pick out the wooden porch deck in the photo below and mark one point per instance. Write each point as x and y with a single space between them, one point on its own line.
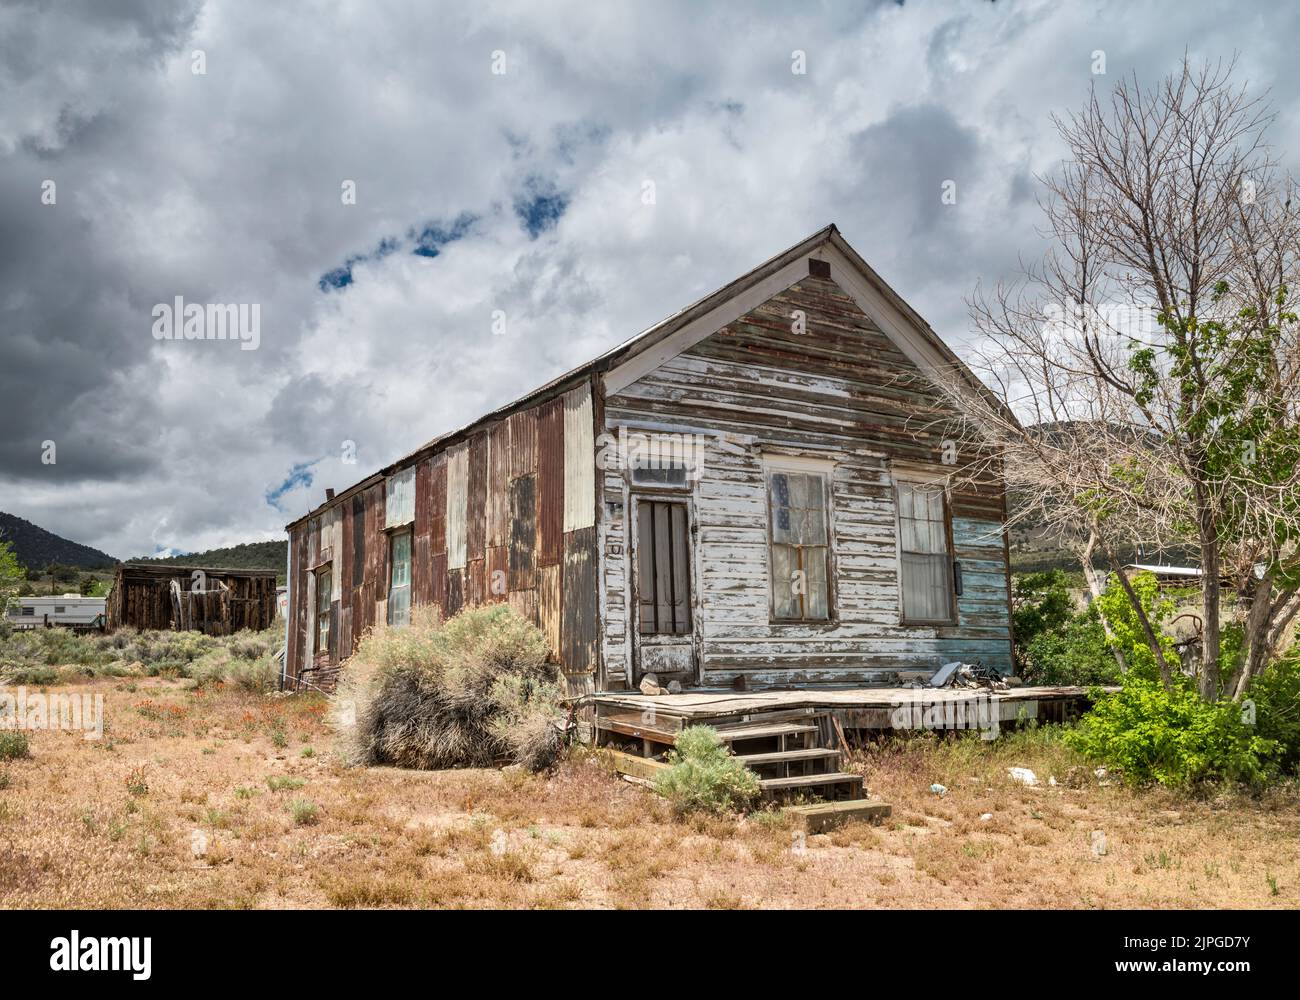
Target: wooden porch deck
854 708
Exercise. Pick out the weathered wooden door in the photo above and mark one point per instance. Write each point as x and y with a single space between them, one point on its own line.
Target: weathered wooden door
663 584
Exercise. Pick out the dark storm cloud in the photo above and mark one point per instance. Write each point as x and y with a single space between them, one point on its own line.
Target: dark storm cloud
518 195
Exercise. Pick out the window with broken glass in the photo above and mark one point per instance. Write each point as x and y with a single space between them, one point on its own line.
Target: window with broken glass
800 549
399 579
324 587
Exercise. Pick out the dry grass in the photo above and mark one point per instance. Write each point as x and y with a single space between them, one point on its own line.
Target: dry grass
195 798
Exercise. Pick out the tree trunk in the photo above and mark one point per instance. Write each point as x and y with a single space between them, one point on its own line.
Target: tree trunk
1211 600
1153 640
1094 588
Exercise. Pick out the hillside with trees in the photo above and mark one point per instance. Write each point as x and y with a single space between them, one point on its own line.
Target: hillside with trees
35 548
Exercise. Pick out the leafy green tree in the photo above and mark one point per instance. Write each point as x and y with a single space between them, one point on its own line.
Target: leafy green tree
1146 375
12 577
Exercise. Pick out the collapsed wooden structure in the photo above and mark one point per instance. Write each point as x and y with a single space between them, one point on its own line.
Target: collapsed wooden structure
755 493
214 601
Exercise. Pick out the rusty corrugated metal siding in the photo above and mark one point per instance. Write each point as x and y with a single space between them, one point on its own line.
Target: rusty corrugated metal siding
476 513
523 532
498 482
550 483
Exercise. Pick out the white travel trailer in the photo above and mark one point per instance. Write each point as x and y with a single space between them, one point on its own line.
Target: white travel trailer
67 610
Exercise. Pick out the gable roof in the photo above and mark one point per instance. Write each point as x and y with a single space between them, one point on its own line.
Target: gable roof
623 363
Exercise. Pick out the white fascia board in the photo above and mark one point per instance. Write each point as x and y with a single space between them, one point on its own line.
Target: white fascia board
708 324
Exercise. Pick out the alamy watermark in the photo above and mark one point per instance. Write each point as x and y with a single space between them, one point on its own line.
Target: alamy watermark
181 320
964 711
648 451
37 711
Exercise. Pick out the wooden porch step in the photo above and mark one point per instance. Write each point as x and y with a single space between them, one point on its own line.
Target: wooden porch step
818 817
811 781
783 756
763 730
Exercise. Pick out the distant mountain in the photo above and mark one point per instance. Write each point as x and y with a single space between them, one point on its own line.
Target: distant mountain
249 555
36 548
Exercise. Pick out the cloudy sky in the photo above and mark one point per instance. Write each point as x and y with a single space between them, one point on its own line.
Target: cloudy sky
499 155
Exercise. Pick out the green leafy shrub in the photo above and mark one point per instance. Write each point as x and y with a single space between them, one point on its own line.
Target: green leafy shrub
42 656
1074 653
304 812
1276 697
14 745
704 776
1041 603
474 691
1171 737
1127 628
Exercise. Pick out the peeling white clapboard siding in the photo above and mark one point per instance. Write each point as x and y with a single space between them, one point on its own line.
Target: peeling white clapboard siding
853 420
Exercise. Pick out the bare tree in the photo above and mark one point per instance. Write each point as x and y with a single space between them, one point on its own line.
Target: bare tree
1147 371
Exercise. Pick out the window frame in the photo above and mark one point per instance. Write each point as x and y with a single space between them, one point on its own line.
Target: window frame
324 573
801 466
393 536
938 482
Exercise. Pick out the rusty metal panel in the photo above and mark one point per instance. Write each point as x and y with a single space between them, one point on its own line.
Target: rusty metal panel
475 582
376 555
455 591
549 605
421 567
523 443
524 603
399 498
358 515
476 501
523 532
457 496
550 483
578 621
579 460
439 595
498 573
438 505
498 478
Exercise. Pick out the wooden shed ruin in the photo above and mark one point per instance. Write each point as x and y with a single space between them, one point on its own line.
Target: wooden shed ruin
210 600
753 493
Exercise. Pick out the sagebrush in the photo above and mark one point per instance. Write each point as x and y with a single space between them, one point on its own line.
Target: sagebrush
704 776
475 691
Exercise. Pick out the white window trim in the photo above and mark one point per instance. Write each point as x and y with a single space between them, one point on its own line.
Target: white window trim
922 475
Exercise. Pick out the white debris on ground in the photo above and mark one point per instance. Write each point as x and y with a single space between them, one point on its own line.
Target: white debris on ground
939 790
1022 775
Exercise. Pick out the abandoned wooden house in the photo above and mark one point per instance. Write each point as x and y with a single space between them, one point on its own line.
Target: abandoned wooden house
751 494
214 601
